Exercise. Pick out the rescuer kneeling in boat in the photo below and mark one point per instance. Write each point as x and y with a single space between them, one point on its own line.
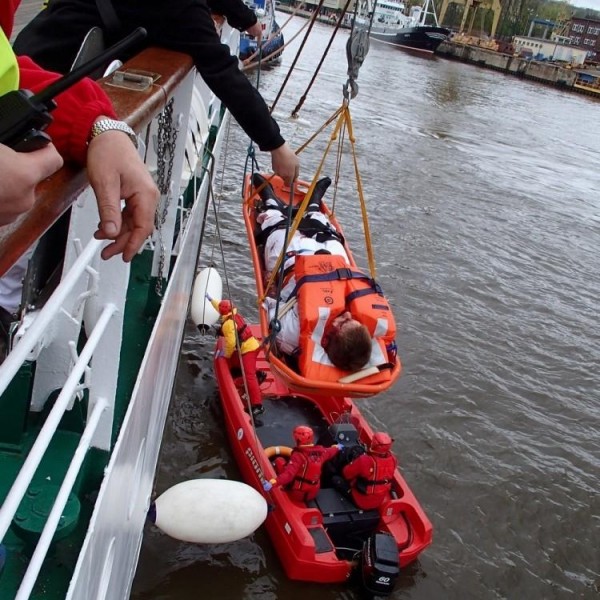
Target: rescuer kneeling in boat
234 328
368 478
348 343
302 474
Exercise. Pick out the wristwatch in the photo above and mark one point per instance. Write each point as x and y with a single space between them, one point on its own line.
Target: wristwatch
103 125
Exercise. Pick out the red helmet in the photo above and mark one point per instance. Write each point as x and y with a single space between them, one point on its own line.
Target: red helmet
303 435
225 307
381 442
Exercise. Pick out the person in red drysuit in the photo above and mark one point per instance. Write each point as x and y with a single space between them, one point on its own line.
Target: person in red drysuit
370 475
234 328
302 474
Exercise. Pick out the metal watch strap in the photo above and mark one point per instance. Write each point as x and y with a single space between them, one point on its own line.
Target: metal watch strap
104 125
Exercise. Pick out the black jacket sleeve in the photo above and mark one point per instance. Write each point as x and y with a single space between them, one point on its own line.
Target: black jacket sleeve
53 38
238 14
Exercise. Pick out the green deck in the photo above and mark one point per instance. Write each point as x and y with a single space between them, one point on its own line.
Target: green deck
18 431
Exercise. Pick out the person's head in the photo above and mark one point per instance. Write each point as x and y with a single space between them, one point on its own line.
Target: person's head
347 343
303 435
225 307
381 443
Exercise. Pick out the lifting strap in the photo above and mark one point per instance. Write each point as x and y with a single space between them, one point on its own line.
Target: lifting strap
344 119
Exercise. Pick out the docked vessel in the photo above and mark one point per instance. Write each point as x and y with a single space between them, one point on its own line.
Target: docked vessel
328 539
270 48
87 380
419 30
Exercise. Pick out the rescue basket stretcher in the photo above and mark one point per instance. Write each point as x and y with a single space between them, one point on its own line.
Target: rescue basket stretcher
313 373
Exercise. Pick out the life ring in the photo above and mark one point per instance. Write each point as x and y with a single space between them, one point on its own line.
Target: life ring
273 451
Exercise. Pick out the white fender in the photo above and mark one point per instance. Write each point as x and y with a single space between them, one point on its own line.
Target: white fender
209 511
208 281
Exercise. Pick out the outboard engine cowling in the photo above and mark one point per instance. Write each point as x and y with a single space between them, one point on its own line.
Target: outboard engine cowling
379 564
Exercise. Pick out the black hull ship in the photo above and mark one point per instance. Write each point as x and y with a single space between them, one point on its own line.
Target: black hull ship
419 30
424 38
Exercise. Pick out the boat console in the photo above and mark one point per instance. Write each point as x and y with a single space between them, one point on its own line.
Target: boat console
347 526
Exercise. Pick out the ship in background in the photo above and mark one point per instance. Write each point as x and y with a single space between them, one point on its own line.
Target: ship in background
388 22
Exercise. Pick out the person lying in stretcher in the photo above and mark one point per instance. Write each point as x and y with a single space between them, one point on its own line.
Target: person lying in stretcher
335 319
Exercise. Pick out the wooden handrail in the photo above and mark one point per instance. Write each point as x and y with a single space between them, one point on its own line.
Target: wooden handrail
56 194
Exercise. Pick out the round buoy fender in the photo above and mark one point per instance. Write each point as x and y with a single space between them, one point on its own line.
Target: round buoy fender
209 511
274 451
204 315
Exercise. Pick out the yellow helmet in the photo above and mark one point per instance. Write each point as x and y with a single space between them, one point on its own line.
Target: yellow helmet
9 70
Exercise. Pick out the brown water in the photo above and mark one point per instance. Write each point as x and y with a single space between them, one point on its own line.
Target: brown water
483 199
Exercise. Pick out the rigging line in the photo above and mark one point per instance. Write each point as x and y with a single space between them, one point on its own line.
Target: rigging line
313 18
229 295
225 155
314 77
246 65
208 171
250 157
293 14
247 61
306 199
331 119
361 196
212 202
251 153
338 166
274 323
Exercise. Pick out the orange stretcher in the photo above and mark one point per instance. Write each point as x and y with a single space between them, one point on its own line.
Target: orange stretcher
367 382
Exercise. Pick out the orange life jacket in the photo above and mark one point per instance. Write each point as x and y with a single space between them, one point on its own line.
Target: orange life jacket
309 476
379 481
326 286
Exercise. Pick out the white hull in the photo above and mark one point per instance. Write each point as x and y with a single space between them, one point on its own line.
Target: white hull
96 292
108 561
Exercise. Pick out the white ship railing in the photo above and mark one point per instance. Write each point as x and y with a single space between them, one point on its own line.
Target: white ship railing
97 289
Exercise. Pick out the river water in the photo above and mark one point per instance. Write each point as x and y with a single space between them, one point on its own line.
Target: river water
483 202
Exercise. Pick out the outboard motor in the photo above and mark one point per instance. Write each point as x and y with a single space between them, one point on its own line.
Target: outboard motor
379 564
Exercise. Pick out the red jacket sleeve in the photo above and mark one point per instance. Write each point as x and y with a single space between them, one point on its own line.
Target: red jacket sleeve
8 8
330 453
77 109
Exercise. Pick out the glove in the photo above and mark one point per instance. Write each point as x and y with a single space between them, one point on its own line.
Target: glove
339 446
219 354
267 485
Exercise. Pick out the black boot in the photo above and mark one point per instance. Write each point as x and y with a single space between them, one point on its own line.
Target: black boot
267 192
258 409
317 196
